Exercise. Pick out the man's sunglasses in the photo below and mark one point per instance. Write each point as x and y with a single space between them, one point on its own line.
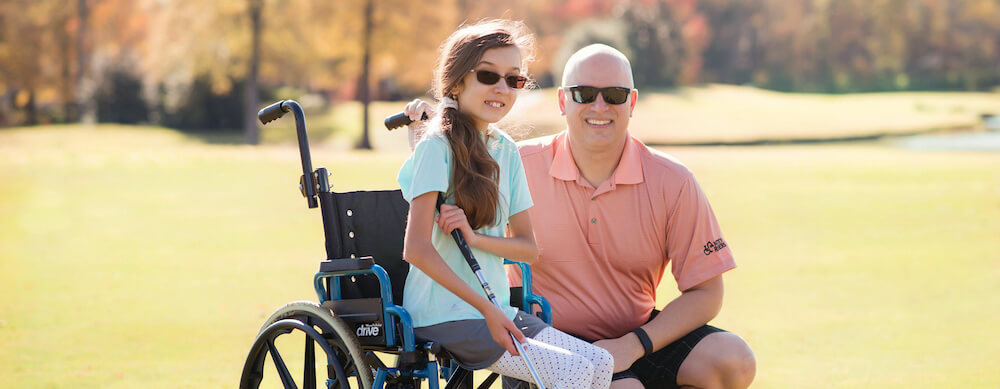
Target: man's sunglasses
587 94
489 78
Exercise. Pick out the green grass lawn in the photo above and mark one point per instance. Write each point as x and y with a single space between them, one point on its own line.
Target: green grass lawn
140 257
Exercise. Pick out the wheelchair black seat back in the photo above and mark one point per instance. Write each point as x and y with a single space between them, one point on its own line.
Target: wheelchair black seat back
360 291
364 228
369 223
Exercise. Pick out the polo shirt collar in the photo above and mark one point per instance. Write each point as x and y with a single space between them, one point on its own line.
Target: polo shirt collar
629 170
563 165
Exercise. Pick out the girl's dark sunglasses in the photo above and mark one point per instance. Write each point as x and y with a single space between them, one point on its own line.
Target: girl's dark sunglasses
587 94
489 78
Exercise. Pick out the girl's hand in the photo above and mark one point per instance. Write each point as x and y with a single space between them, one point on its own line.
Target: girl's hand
452 217
500 329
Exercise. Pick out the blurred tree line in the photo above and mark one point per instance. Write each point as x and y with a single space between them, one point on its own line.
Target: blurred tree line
207 65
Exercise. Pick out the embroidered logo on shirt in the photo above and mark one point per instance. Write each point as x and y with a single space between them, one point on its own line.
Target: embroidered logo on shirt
713 246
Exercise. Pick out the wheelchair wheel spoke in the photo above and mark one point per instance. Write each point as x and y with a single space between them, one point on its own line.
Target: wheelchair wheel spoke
309 368
324 333
489 381
373 361
286 378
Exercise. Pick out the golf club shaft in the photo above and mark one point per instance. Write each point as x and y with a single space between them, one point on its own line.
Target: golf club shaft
517 345
463 246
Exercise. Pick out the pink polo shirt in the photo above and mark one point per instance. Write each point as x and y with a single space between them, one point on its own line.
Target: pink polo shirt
604 250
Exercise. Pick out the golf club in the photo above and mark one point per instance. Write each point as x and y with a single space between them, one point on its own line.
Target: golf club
471 259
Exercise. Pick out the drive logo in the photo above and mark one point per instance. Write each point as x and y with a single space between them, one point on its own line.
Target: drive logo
714 246
369 330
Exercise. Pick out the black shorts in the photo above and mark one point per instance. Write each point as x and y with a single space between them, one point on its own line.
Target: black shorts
659 369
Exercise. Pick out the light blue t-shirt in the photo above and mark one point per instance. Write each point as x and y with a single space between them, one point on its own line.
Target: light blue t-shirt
429 170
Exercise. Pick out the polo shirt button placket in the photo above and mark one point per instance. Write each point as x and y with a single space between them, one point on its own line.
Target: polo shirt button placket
593 209
593 236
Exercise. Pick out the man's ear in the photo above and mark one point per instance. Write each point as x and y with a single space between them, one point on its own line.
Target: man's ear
562 101
631 105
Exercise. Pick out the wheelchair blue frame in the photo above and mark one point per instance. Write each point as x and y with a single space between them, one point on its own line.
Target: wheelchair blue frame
392 312
399 341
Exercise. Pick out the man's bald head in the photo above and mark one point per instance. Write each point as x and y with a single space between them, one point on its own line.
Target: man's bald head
598 128
606 57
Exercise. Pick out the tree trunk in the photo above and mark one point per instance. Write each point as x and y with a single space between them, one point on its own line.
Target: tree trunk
86 109
250 102
66 78
31 108
365 89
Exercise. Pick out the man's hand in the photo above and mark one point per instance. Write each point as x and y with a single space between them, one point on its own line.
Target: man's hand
626 350
415 110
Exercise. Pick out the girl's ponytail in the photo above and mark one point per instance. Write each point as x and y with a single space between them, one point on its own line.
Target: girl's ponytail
475 177
475 173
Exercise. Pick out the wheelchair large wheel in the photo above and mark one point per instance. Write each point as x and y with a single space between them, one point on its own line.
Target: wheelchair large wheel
345 358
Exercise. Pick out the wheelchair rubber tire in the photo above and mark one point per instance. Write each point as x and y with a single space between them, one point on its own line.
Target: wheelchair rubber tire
328 325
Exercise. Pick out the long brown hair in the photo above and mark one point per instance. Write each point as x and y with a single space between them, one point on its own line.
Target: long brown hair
475 174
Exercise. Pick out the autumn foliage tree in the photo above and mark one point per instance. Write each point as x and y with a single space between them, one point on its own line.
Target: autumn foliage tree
854 45
191 64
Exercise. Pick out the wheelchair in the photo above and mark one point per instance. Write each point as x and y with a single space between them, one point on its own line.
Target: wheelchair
360 288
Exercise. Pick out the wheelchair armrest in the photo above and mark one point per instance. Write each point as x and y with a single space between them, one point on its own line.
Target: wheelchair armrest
362 266
406 324
344 264
529 299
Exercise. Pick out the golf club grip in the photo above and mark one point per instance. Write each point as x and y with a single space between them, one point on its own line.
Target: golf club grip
463 246
400 119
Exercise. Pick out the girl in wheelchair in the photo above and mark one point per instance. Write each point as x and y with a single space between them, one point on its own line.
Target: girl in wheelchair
463 154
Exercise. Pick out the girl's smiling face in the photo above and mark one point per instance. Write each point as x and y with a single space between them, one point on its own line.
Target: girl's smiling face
489 103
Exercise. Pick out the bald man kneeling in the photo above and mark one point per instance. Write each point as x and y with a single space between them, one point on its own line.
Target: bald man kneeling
612 214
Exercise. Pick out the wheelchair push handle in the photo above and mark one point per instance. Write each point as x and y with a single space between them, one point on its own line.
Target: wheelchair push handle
277 110
400 119
272 112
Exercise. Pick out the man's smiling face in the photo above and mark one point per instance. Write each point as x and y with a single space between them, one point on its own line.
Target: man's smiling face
598 125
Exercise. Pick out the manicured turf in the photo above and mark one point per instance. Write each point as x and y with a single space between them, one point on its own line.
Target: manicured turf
727 113
138 257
